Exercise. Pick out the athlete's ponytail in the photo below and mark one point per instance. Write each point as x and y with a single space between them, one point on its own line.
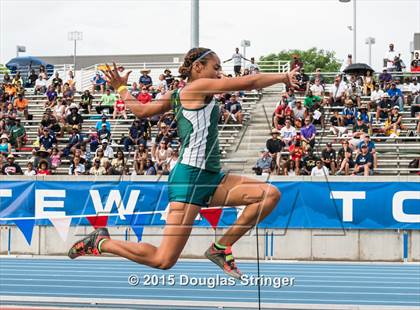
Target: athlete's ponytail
195 54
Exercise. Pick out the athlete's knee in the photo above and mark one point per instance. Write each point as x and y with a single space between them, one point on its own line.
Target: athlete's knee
165 262
273 194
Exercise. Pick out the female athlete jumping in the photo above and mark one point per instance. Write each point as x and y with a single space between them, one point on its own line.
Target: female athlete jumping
196 180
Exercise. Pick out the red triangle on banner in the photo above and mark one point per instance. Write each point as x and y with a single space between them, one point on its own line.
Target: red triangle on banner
212 216
98 221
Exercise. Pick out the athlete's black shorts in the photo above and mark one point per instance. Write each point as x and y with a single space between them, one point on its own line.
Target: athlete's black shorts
237 69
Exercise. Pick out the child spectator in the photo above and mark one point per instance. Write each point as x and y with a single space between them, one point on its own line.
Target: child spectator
150 167
296 152
55 158
43 168
144 97
30 171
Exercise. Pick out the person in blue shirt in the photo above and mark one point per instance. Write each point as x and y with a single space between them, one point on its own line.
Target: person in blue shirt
103 121
396 96
98 83
364 163
145 79
371 148
348 114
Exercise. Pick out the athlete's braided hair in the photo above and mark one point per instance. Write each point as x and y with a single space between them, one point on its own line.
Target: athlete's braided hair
193 55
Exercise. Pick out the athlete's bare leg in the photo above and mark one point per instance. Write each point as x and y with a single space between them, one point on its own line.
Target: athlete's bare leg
176 233
260 199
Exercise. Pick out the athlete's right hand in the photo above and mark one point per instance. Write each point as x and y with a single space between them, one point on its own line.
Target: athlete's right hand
113 77
291 78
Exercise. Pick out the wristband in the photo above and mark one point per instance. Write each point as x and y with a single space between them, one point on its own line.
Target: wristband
121 88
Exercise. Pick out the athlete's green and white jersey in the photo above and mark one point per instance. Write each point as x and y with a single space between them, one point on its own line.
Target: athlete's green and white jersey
198 132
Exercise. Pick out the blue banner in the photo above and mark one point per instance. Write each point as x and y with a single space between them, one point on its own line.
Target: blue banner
335 205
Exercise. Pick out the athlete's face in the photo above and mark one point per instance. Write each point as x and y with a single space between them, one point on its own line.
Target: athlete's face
213 68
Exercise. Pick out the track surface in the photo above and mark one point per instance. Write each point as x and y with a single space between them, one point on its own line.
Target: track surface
104 282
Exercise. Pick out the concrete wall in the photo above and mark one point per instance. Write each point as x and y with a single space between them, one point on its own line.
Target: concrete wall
293 244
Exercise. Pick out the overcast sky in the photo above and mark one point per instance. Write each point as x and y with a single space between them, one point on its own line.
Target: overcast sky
140 27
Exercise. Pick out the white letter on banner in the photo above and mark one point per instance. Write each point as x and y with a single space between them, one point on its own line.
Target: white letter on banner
114 197
41 204
398 207
5 193
347 202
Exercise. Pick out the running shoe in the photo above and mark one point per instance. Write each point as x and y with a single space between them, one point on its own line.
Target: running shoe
224 259
89 244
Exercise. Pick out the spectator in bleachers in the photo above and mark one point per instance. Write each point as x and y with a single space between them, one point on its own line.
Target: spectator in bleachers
348 114
233 110
173 159
162 86
43 168
346 62
279 115
60 111
9 114
308 161
291 98
365 115
5 146
360 128
328 157
134 90
7 79
415 104
51 97
43 72
97 169
68 93
296 62
47 140
168 77
150 167
108 151
144 97
145 80
10 92
303 80
368 83
375 97
17 80
74 118
298 122
103 120
119 109
11 168
319 170
100 155
365 140
274 146
287 133
384 108
296 153
70 81
264 163
21 105
57 82
31 79
161 154
319 76
102 133
76 167
118 164
299 111
163 134
252 66
40 85
415 63
393 124
140 158
337 93
314 108
384 78
136 135
289 168
30 171
86 101
354 93
390 58
55 158
308 133
17 135
317 89
106 103
363 162
346 163
74 141
98 83
396 96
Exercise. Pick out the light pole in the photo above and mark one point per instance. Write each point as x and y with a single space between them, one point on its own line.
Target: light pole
195 23
75 36
354 27
370 41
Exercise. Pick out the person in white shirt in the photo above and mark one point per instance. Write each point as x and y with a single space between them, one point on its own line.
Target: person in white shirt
346 62
237 60
40 85
375 97
390 58
108 151
30 171
288 132
414 86
337 93
252 66
317 89
319 170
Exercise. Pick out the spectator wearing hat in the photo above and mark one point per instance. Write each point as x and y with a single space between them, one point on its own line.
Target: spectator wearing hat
264 163
365 140
393 124
5 146
74 141
396 96
98 83
144 96
76 167
40 155
348 114
303 80
74 118
11 168
97 169
360 128
86 101
106 102
384 108
279 115
103 133
21 105
108 151
274 146
296 153
319 170
363 162
308 161
362 113
328 158
308 133
145 80
100 123
17 135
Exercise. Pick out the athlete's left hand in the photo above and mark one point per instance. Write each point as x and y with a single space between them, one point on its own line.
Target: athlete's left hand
291 78
114 78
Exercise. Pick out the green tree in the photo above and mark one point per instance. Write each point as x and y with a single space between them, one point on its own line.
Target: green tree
3 69
311 58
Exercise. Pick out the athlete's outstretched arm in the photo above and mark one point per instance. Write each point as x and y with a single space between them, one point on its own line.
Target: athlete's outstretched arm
140 110
248 82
